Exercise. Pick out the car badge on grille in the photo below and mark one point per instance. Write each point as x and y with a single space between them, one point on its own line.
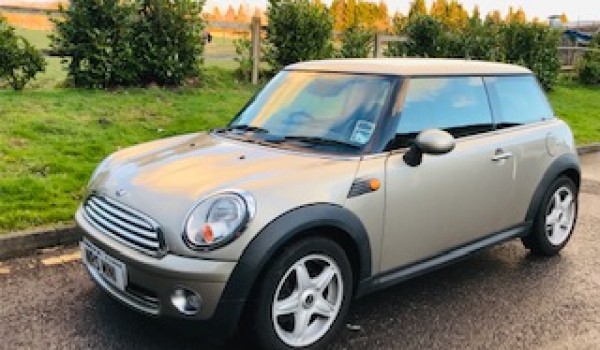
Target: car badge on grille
121 192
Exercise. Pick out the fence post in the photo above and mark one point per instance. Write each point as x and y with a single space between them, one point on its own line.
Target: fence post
376 45
255 30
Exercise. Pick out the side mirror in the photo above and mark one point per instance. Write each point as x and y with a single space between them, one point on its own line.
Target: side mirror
432 141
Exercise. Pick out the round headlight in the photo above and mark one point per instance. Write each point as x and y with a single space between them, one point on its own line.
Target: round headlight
218 220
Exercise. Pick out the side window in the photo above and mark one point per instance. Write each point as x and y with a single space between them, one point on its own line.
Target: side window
518 100
458 105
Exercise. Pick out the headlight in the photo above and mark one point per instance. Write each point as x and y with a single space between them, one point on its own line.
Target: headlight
218 219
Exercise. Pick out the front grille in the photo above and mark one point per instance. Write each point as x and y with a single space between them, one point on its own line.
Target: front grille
123 223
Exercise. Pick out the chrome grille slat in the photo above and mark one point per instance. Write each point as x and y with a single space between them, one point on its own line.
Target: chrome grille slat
119 212
107 225
122 223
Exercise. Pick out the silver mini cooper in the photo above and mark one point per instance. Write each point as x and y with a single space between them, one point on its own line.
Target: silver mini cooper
339 178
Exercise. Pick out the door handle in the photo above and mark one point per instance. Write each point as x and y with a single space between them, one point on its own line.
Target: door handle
501 155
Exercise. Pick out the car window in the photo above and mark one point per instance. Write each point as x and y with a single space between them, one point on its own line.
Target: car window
458 105
518 100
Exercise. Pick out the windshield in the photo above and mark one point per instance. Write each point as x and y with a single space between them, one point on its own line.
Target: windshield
328 111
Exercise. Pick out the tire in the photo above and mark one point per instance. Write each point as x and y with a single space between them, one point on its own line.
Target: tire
555 220
310 283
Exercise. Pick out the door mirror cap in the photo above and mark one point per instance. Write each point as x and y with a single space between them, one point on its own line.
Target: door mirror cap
432 141
435 141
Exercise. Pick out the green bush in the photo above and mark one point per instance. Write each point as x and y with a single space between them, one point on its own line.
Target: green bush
425 38
243 51
168 42
528 44
588 69
97 36
534 46
130 42
357 42
19 60
298 30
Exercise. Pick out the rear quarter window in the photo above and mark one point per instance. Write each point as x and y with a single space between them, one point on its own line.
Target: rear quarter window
517 100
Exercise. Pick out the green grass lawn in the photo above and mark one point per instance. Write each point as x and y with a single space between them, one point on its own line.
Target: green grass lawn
580 107
51 140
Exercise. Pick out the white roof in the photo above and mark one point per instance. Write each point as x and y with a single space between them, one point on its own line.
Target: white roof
410 66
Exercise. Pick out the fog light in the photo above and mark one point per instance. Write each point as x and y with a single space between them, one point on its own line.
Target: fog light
186 301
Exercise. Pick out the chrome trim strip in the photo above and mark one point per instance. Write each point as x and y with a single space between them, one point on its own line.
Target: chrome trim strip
152 235
114 230
121 214
124 224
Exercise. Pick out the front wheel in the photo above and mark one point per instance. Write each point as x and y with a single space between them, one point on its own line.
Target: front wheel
555 220
303 297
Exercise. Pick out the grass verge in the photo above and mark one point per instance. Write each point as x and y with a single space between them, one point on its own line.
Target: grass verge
51 140
580 107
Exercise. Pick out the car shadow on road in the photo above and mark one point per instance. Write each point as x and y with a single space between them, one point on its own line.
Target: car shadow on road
420 313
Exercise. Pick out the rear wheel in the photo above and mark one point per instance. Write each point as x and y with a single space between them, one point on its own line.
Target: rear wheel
555 219
304 296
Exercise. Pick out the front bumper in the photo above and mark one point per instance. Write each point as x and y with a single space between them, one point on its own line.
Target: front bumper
151 281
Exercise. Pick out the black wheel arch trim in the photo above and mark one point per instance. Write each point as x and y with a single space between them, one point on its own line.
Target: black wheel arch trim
273 237
564 163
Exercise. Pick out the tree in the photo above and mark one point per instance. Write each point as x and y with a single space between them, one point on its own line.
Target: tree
242 16
475 16
439 9
494 17
168 43
357 42
457 16
417 7
230 14
351 14
338 11
216 14
588 69
383 17
19 60
297 31
517 16
130 43
425 38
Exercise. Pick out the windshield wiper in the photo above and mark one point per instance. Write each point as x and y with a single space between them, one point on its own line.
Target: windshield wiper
321 141
244 128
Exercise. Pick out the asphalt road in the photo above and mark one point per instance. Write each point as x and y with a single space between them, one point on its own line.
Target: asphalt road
499 299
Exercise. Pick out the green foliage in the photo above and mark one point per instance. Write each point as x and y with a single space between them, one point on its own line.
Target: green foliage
298 31
528 44
243 50
168 43
588 69
98 37
357 42
19 60
425 37
130 42
534 46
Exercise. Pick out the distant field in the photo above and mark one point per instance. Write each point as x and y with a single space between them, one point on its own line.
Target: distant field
220 53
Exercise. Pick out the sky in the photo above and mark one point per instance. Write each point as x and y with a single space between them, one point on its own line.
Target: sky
575 9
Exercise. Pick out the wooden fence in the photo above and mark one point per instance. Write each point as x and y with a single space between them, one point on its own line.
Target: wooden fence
569 55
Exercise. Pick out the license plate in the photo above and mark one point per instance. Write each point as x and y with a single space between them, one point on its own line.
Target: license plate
110 269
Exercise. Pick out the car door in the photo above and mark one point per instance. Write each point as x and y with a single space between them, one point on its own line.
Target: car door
453 199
